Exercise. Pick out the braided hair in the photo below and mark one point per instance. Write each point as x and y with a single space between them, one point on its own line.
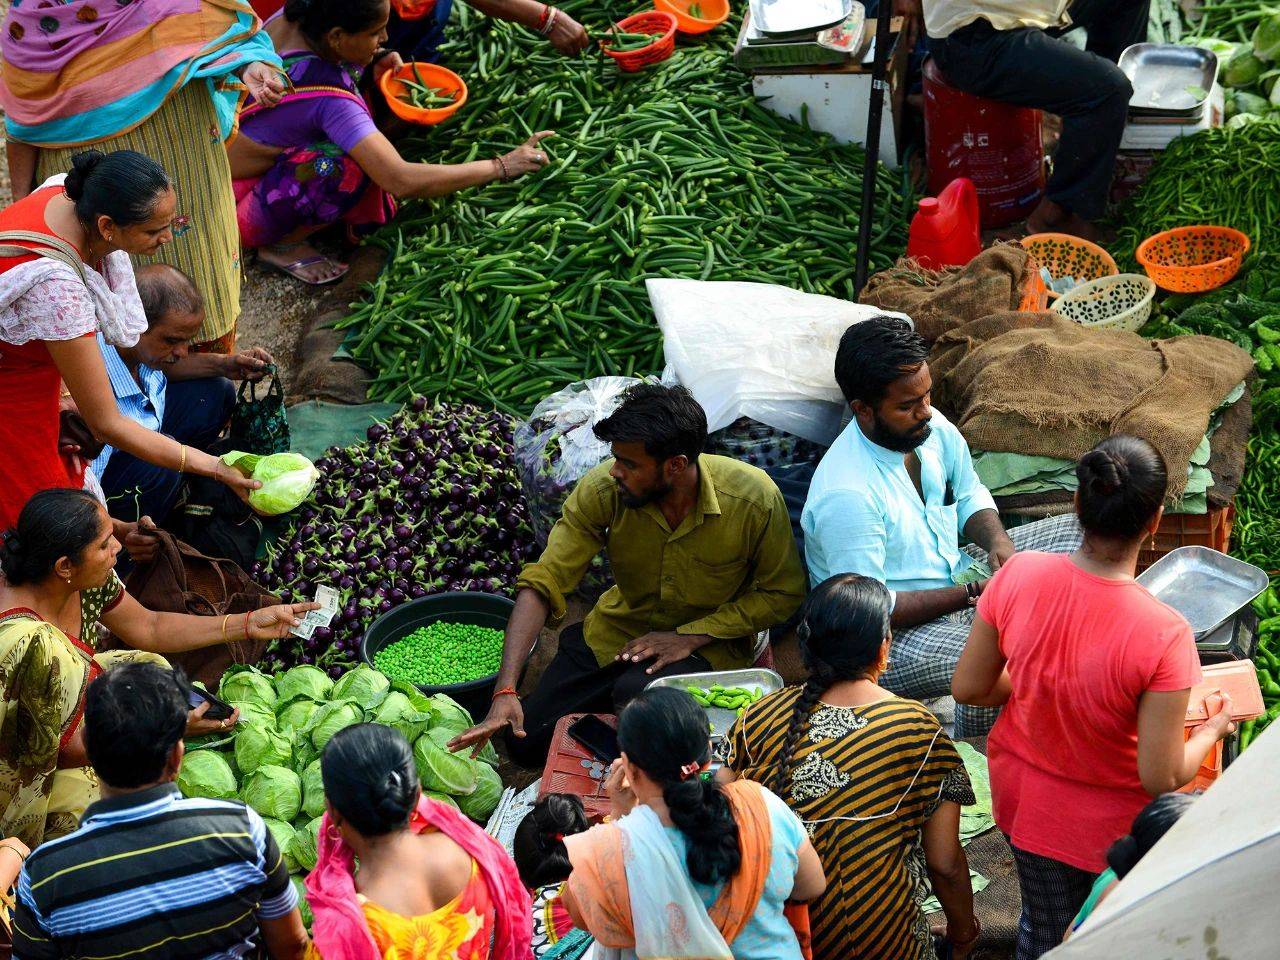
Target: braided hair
843 624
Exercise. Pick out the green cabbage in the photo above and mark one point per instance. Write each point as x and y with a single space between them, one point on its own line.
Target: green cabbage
253 714
261 745
365 685
312 790
303 846
481 802
442 798
417 699
287 479
329 719
1243 69
441 770
206 774
450 715
292 717
283 834
1244 102
396 711
303 680
248 685
303 906
488 754
1266 37
273 791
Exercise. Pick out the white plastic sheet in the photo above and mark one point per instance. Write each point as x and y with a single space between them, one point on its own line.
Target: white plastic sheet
757 350
1208 888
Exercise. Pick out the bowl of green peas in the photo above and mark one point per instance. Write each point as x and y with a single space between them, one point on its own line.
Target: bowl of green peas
447 643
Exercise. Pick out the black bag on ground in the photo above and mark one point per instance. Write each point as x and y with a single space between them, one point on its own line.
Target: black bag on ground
216 522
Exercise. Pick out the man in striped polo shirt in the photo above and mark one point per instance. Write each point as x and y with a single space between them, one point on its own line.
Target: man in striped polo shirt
149 874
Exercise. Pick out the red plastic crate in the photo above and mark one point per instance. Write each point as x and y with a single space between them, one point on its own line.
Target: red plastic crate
1212 529
571 769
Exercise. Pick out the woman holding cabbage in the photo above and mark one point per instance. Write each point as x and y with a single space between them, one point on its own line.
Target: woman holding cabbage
59 582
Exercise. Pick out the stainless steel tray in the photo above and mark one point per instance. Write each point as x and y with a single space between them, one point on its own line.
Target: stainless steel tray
786 18
753 678
1205 586
1168 77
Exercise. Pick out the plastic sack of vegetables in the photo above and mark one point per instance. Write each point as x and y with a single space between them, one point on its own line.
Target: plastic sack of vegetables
556 447
287 479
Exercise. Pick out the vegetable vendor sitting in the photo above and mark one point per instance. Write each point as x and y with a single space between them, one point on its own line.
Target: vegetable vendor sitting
317 159
703 557
890 499
158 384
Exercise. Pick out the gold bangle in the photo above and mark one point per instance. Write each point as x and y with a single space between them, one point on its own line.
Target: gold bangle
22 857
182 466
65 394
224 628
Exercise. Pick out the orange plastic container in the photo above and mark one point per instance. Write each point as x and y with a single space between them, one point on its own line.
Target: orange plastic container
1193 259
1212 529
1209 771
1066 256
571 769
714 13
1036 295
659 23
432 75
1238 679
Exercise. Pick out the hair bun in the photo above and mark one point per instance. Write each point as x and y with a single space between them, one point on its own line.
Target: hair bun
1123 855
1108 472
82 165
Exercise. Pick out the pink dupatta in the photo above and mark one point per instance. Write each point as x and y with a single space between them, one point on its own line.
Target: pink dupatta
339 929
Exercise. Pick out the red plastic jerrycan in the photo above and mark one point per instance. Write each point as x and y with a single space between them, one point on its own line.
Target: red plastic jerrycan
996 145
944 231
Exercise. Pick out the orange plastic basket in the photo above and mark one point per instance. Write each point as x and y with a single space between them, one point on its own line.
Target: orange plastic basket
1066 256
433 75
714 13
1193 259
661 25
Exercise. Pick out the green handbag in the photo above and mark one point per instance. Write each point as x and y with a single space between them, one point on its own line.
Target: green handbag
259 424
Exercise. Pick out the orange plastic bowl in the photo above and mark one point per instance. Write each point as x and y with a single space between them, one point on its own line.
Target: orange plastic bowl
1193 259
432 75
659 23
714 13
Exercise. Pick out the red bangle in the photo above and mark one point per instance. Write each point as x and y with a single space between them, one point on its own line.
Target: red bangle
505 692
246 624
542 20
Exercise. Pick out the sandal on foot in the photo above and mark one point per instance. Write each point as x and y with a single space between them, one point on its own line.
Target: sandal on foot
295 269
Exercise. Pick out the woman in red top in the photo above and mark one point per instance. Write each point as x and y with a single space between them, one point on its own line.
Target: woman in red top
1094 675
51 307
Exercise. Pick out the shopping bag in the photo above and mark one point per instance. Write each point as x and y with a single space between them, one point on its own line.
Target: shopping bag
259 424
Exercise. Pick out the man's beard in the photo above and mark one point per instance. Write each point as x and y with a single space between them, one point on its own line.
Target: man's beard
882 435
635 502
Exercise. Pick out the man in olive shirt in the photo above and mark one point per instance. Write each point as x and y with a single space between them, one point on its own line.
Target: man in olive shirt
703 557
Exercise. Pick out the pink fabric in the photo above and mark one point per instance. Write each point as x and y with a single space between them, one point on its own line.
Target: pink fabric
339 929
1081 651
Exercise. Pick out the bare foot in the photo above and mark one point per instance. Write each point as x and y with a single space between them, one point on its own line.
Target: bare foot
1051 217
303 262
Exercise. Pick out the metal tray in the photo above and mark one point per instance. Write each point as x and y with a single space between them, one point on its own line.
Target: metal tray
1204 585
1237 639
1169 77
787 18
754 678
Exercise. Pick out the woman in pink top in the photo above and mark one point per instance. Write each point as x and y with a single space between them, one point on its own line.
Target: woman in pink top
1093 674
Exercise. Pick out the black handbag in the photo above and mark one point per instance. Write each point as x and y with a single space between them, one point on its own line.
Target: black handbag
259 424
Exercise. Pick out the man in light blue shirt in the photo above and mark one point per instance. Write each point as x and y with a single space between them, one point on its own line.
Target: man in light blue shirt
890 500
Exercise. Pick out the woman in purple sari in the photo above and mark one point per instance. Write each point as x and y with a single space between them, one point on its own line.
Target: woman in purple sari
317 158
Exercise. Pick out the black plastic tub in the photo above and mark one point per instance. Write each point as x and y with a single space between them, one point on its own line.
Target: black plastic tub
478 609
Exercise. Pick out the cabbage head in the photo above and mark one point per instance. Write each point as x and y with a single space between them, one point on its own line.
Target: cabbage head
287 479
258 746
303 680
1243 69
450 715
417 699
304 907
275 792
248 685
444 798
282 833
365 685
293 716
205 773
440 770
1266 37
312 790
396 711
303 845
481 802
253 714
329 719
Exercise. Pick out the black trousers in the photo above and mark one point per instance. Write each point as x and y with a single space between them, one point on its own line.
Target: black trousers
1033 68
575 683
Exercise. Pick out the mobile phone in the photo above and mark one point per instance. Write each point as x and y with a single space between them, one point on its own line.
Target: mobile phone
218 709
596 737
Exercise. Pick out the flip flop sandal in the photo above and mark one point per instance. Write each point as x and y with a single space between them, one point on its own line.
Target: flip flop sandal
295 270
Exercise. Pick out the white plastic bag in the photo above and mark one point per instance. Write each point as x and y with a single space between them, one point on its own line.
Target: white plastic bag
757 350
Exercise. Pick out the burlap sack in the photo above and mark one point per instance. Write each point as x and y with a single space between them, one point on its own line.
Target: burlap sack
1038 383
993 281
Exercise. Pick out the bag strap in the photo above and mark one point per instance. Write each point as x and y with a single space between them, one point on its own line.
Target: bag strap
55 248
248 389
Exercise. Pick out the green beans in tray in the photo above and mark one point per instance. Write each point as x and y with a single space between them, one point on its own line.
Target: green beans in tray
502 295
726 698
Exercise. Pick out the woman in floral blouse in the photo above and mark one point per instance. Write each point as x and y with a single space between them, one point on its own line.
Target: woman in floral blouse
875 779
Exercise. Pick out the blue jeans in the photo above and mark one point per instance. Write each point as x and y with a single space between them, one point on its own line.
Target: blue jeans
195 413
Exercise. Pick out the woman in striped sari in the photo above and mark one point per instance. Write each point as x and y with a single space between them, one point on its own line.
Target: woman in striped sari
875 779
163 78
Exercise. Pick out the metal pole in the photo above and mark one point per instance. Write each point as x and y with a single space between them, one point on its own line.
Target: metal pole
875 112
